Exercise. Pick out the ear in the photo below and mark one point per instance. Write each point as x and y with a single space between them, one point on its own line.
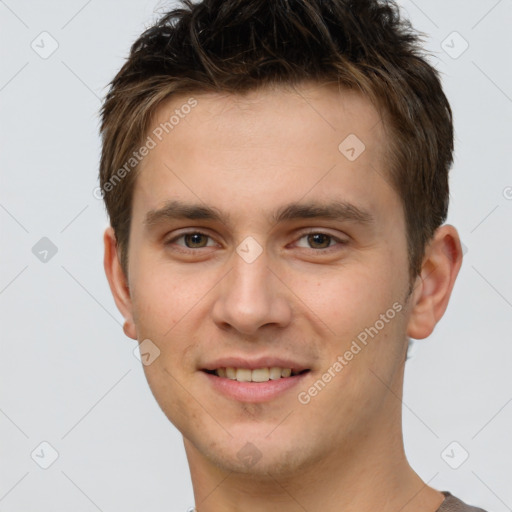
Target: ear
432 290
118 282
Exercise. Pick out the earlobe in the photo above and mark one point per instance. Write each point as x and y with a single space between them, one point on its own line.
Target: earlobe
441 265
129 329
118 282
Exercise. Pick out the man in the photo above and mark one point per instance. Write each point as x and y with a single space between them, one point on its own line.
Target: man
276 177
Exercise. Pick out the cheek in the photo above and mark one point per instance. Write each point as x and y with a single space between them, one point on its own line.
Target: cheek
167 303
359 312
347 298
164 294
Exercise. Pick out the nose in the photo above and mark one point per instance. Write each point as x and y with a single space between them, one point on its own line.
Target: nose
250 296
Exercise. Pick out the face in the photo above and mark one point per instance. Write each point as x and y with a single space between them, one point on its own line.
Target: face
265 237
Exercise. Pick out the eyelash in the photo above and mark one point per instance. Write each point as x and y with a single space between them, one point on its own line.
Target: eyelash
304 234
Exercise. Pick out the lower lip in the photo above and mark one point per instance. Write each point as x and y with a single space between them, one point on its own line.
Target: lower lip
254 392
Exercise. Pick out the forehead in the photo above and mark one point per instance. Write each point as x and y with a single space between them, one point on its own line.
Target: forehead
267 146
322 106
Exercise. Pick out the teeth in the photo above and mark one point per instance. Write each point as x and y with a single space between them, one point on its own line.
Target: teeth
275 373
256 375
243 375
260 375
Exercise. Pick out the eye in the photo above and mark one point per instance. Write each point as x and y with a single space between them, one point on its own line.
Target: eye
193 240
319 240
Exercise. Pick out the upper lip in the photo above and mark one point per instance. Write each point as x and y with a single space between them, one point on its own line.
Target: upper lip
251 364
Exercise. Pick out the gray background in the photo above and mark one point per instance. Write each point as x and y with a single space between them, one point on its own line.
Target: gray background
68 373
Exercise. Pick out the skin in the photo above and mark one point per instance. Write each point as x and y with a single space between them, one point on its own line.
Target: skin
246 156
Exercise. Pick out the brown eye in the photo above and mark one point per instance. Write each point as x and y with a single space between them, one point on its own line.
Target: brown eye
192 239
195 240
320 241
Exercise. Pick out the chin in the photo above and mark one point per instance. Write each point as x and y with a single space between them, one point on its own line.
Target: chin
263 463
280 456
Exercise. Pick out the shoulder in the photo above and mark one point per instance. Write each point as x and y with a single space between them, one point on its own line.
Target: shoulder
453 504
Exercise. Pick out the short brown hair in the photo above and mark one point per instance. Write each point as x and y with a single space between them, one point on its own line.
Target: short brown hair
236 46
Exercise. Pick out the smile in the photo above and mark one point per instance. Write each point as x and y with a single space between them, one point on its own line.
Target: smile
256 374
254 385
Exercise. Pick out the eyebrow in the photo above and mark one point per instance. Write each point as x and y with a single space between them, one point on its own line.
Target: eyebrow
332 210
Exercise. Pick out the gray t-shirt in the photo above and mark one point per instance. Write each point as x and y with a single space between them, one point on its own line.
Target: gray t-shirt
453 504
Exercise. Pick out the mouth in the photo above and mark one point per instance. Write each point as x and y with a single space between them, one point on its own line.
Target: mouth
255 374
255 385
